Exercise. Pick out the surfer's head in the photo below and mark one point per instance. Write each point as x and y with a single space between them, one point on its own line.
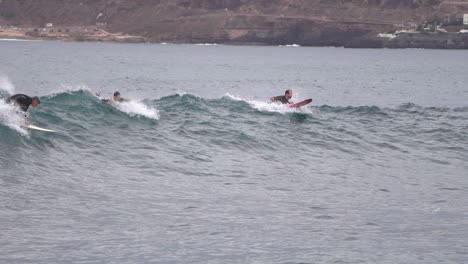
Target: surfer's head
35 101
116 96
288 93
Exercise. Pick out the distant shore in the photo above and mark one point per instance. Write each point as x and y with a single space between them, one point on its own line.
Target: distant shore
94 34
68 34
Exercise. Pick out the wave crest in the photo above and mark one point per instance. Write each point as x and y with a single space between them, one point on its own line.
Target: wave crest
269 106
134 108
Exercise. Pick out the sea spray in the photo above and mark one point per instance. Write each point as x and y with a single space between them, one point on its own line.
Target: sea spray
11 117
268 106
6 86
137 108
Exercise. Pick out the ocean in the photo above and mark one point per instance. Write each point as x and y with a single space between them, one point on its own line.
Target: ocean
198 167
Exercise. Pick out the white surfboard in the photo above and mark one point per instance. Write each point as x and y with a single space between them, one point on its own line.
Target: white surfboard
39 128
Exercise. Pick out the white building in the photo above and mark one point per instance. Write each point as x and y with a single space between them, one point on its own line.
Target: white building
465 19
49 25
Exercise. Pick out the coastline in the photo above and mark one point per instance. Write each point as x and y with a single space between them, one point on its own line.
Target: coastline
68 34
422 40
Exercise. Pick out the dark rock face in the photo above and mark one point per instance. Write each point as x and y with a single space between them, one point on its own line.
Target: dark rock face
348 23
210 5
430 41
407 3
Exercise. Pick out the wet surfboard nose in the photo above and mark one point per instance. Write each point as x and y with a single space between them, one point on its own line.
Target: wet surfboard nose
301 103
39 128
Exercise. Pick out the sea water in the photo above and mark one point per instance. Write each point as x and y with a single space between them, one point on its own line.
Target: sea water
200 168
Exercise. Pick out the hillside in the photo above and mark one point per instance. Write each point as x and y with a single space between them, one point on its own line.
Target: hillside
305 22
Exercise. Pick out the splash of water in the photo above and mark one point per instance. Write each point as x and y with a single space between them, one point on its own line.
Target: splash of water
138 108
6 85
11 117
268 106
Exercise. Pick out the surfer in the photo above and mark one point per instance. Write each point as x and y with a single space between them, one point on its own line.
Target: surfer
115 98
284 99
23 101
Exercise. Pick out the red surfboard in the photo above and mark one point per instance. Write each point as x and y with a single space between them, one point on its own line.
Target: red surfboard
301 103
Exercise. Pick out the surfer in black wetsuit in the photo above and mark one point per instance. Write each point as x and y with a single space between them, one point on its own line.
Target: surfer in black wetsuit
23 101
284 99
116 98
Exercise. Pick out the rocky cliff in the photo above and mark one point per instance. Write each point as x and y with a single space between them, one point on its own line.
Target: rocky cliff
350 23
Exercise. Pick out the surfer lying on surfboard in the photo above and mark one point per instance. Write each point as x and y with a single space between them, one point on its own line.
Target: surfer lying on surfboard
23 102
115 98
284 99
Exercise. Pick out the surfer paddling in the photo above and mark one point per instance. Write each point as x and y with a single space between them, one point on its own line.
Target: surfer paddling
23 101
284 99
116 98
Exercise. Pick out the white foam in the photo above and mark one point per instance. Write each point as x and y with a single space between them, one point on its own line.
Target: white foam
206 44
137 108
6 85
290 46
11 117
132 107
234 97
13 39
269 106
